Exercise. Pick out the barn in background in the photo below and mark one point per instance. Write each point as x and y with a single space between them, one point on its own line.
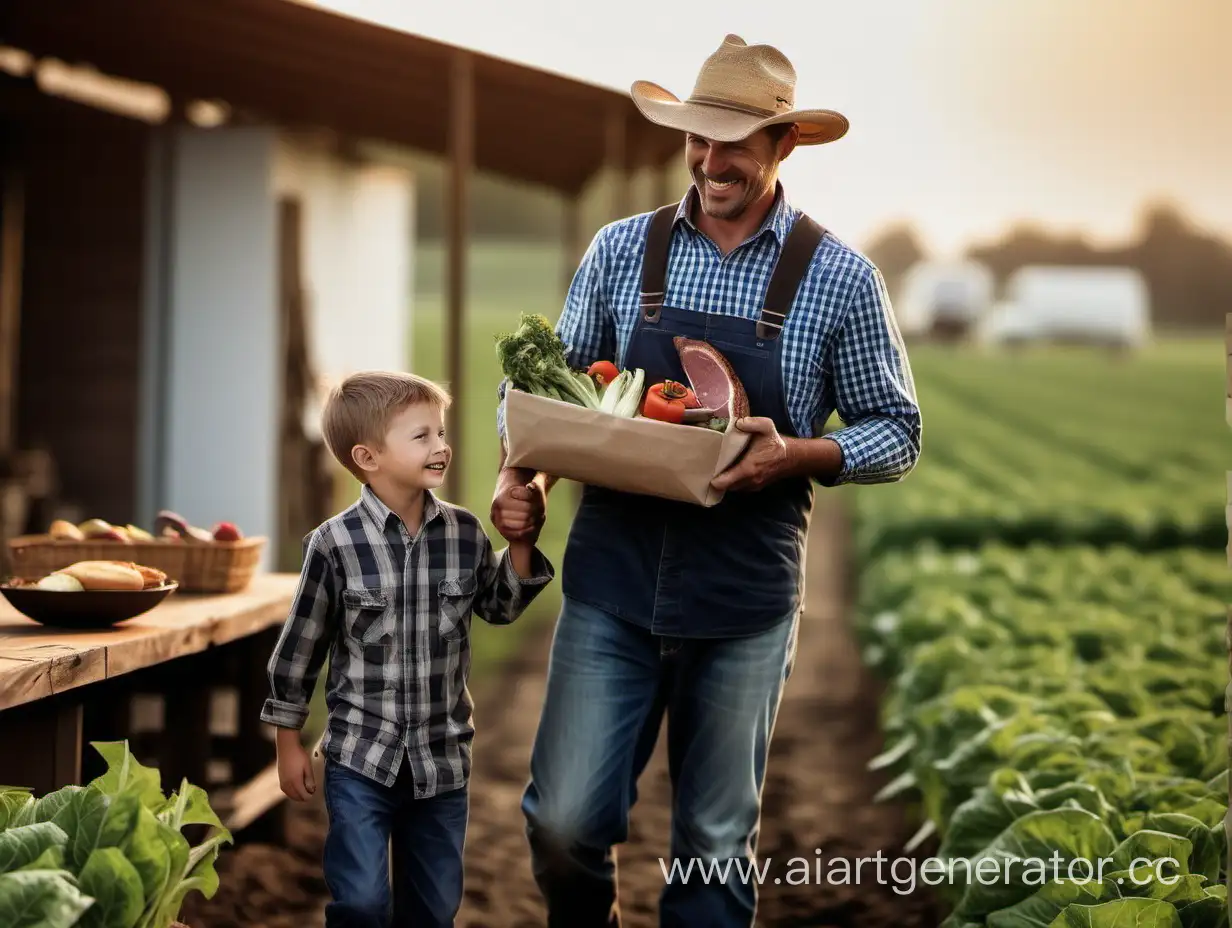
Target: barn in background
198 226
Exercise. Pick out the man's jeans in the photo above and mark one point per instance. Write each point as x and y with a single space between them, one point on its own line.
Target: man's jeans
425 836
608 685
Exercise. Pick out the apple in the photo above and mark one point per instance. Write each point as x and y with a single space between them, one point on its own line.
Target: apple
95 528
138 534
98 530
62 528
227 531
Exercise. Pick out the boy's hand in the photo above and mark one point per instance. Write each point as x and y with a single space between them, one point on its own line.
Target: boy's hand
295 775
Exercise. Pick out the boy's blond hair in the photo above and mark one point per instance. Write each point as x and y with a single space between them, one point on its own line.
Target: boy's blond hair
358 410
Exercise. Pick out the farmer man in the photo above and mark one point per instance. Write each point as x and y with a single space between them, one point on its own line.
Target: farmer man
677 609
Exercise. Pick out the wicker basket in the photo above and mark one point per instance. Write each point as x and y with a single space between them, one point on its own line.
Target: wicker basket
216 567
221 566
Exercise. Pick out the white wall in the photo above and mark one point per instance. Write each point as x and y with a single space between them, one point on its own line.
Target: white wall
357 249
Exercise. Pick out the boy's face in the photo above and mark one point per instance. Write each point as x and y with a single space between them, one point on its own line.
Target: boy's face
415 455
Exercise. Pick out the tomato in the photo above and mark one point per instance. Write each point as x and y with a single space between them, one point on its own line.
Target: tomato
603 372
667 401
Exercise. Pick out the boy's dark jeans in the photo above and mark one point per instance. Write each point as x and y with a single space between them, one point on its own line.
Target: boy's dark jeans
425 837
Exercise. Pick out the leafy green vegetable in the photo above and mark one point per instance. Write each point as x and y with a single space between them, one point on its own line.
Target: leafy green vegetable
1027 722
1057 457
25 845
1047 604
110 854
533 359
1121 913
41 899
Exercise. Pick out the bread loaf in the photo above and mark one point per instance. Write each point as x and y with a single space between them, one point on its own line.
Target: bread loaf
105 575
152 576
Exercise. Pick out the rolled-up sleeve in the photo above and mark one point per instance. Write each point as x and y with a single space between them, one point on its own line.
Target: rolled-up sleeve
304 641
875 392
504 595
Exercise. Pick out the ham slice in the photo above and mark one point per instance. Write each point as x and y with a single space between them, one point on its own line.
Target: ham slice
712 378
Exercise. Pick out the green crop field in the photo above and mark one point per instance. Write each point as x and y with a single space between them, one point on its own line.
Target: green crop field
1046 598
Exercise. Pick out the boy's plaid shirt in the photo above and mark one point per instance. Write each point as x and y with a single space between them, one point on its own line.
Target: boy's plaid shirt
393 615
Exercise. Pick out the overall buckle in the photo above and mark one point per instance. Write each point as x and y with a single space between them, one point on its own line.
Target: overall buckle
652 304
767 329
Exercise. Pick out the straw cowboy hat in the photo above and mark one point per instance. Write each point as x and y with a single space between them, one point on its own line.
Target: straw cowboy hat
740 89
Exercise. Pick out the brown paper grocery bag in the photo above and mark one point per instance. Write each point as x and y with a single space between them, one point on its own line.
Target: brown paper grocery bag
633 455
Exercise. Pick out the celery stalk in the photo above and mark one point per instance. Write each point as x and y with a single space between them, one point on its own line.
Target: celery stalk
631 399
615 389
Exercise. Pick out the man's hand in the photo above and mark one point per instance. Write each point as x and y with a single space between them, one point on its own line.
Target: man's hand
765 460
294 767
519 509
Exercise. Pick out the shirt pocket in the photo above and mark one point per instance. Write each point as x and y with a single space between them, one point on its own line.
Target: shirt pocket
456 599
370 614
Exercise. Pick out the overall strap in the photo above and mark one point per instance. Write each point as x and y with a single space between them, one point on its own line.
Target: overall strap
654 261
789 271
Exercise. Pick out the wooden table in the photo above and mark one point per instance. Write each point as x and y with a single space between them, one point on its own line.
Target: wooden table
37 661
183 649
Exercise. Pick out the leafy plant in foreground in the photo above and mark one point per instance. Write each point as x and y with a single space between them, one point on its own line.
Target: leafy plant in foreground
1057 707
110 854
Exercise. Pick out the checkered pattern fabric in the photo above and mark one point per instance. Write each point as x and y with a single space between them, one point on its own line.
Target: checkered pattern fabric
392 613
841 346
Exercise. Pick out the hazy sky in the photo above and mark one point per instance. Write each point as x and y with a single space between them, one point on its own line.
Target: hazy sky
965 114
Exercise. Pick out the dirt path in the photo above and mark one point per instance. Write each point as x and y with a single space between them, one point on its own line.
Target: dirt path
818 796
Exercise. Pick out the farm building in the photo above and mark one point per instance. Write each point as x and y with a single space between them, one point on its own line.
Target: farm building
943 299
206 211
1088 305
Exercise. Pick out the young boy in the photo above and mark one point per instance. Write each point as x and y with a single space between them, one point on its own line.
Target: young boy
386 592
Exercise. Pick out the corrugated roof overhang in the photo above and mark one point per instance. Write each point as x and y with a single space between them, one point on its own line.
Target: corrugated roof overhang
302 65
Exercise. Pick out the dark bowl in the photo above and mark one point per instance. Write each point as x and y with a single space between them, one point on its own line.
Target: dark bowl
85 608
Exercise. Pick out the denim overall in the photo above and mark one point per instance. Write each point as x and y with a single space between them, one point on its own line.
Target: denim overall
681 569
672 608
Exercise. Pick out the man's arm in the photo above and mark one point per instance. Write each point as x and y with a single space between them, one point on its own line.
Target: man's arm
818 458
875 395
521 476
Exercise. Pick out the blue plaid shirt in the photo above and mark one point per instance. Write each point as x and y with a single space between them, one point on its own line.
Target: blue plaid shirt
842 350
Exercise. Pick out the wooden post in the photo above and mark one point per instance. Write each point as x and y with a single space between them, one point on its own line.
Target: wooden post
461 157
186 741
12 216
617 159
43 742
259 805
571 249
12 225
662 179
